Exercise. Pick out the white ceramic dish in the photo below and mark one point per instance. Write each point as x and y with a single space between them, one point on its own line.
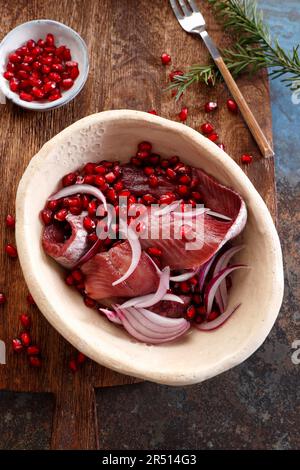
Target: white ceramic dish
197 356
37 29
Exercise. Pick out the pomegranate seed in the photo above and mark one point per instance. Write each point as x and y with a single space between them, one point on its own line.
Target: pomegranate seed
14 84
89 168
165 59
57 67
89 302
10 221
89 224
92 237
61 215
36 65
199 319
149 199
28 59
23 75
53 205
135 161
207 128
222 146
212 316
74 73
77 275
55 77
118 186
185 287
99 180
33 350
246 158
73 365
2 298
167 198
46 69
92 207
142 155
213 137
41 43
15 58
153 251
125 193
175 73
30 44
183 190
232 106
190 313
26 96
81 358
25 321
145 147
69 179
197 196
30 299
148 170
100 170
35 361
69 280
8 75
197 299
67 54
183 114
110 177
153 181
37 92
171 173
67 83
54 96
49 86
152 111
111 195
36 51
11 251
185 179
25 338
173 161
50 39
17 345
210 106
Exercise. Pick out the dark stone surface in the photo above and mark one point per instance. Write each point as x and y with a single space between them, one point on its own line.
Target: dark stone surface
255 405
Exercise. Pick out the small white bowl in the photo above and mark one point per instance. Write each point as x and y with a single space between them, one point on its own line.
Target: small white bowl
114 135
64 35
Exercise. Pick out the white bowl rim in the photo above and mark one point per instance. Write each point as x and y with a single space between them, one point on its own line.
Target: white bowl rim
73 92
107 357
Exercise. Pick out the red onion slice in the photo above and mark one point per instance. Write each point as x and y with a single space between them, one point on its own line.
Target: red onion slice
193 213
204 270
89 254
147 326
173 298
136 255
214 324
222 294
112 316
79 189
183 277
218 215
151 299
213 285
169 208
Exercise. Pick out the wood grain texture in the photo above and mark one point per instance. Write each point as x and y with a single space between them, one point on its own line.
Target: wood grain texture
125 40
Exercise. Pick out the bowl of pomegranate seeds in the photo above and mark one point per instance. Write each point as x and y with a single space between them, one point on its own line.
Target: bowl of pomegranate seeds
43 65
148 248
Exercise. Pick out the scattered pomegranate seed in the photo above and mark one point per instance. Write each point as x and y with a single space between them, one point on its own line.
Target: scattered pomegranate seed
190 313
30 300
213 137
118 186
25 338
148 170
25 321
207 128
153 181
33 350
81 358
11 251
17 345
10 221
67 83
145 146
185 287
175 73
212 316
26 96
153 251
246 158
46 215
77 275
149 199
232 106
2 298
165 59
210 106
69 280
185 179
35 361
171 173
197 299
167 198
110 177
89 302
183 190
183 114
73 365
152 111
61 215
142 155
89 224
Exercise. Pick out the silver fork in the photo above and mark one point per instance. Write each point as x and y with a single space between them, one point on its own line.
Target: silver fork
192 21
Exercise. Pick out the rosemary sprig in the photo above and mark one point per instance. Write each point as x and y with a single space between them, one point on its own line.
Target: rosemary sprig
253 51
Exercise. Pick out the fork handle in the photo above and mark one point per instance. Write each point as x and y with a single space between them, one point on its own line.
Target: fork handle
247 114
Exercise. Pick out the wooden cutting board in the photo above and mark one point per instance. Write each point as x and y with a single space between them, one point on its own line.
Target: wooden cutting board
125 39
